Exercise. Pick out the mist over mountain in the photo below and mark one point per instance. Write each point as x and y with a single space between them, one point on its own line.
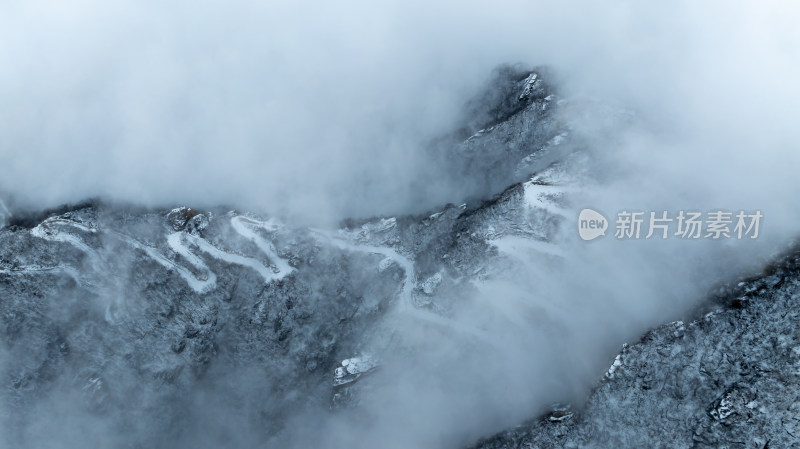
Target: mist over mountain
355 225
327 111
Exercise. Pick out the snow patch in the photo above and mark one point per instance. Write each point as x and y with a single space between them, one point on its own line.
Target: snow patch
385 264
50 230
246 227
199 285
269 274
430 285
520 247
529 86
352 369
614 366
538 196
406 304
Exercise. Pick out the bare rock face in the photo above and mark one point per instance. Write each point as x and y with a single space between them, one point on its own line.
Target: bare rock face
179 218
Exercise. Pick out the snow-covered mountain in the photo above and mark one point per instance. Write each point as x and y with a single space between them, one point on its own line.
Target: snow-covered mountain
125 326
728 378
155 327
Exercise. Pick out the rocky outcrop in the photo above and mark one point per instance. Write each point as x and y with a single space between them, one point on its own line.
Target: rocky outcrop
730 378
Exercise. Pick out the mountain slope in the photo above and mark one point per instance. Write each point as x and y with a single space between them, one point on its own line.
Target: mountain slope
124 326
